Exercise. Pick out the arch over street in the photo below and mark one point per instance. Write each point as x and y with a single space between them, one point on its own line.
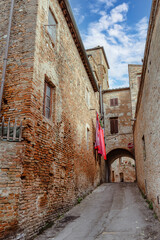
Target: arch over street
113 155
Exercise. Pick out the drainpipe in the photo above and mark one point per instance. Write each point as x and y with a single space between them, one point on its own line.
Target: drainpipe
6 53
102 110
101 102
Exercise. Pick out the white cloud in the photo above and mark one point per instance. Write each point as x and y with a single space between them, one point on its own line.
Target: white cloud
123 44
77 13
95 7
108 3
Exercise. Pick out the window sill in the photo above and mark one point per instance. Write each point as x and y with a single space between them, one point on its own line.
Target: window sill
49 121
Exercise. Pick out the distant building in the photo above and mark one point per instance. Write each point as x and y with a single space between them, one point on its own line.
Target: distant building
118 125
123 170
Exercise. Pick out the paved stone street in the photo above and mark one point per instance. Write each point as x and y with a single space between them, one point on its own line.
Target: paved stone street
114 211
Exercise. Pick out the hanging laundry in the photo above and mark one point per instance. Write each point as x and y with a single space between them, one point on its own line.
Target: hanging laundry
100 144
103 148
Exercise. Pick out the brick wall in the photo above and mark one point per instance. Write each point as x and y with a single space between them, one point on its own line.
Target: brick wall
55 164
147 126
10 186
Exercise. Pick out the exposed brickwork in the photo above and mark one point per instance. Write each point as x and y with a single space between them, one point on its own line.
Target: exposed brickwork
54 164
10 186
147 126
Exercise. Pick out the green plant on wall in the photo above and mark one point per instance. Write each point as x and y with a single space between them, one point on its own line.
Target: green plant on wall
150 204
79 200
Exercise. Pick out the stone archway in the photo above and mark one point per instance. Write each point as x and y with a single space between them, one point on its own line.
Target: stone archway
113 155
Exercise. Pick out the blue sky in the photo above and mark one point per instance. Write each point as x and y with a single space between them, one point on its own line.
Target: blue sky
118 25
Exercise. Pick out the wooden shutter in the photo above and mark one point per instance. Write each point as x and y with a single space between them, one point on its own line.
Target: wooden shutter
112 102
116 102
112 125
116 125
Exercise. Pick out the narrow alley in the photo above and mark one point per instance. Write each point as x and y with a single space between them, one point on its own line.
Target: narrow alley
114 211
79 120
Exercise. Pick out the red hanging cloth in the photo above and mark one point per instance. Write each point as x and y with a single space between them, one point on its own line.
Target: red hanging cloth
100 144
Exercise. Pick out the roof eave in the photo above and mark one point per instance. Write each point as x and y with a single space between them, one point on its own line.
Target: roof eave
67 12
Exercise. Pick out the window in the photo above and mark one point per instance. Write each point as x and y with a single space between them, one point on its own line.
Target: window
87 97
52 26
121 177
87 138
48 98
144 148
114 125
114 102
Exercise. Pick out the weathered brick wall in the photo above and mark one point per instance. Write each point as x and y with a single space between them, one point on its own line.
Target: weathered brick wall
10 186
134 81
123 112
54 164
21 53
16 103
147 126
99 64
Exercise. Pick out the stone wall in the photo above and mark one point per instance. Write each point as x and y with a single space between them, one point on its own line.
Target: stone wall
99 65
56 162
123 112
124 166
147 126
134 82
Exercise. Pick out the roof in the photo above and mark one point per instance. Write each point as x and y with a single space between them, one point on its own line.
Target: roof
102 48
67 12
116 90
135 65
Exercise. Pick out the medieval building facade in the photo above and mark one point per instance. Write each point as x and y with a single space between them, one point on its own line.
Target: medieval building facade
50 87
118 125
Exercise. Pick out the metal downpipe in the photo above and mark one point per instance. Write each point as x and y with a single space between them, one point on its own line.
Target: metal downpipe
6 54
